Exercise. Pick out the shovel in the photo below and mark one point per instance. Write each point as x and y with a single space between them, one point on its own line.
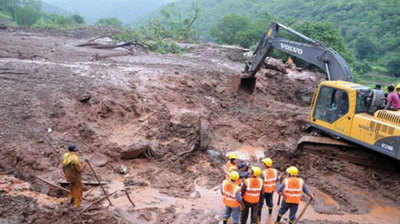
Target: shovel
302 212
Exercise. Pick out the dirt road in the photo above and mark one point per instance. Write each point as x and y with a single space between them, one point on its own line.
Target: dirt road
185 108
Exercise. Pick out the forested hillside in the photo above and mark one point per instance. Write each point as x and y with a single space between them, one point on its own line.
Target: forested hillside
127 11
36 13
370 28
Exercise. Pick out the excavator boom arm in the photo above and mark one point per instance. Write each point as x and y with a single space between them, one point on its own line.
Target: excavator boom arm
312 52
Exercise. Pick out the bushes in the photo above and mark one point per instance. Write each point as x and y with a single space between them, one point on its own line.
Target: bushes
236 29
113 22
54 21
161 33
29 13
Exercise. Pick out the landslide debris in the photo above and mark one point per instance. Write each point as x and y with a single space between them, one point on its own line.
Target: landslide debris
181 107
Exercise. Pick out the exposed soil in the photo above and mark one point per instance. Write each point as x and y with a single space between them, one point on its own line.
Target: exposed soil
185 107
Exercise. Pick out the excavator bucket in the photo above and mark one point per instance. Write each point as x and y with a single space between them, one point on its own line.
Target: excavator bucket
248 84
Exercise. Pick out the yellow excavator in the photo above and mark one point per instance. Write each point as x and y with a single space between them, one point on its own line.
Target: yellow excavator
339 107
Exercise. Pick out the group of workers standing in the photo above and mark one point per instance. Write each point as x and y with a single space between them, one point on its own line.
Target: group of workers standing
246 188
243 191
393 98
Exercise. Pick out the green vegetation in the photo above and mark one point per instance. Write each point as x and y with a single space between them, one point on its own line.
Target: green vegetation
29 13
113 22
161 33
370 28
127 11
365 32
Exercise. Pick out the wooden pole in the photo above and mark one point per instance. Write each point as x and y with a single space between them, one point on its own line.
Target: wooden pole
302 212
98 180
53 185
129 198
97 201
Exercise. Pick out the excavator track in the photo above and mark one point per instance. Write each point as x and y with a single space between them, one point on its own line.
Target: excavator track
336 149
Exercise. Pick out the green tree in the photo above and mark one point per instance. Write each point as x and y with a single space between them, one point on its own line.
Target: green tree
27 15
394 65
176 24
78 19
231 29
113 22
366 48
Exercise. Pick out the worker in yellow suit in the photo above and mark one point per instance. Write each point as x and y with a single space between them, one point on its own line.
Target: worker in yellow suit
73 173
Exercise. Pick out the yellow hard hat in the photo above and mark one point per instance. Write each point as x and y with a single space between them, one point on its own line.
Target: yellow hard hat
292 170
256 171
234 175
267 162
232 156
398 86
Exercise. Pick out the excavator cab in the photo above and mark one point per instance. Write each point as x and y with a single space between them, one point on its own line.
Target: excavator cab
355 113
333 107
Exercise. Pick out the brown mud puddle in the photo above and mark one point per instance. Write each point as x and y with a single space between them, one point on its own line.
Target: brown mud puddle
150 201
208 200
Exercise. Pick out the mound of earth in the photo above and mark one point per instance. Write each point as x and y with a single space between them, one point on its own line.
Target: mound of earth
185 108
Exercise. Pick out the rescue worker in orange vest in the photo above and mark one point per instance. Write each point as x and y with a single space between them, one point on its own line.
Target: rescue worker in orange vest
232 198
270 177
238 181
251 190
231 163
72 169
292 189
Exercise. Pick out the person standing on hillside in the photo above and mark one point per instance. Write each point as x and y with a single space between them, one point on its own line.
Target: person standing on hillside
393 99
251 190
270 176
72 169
292 189
232 198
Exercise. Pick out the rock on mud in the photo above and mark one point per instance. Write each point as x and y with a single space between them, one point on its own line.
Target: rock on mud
135 150
99 159
205 134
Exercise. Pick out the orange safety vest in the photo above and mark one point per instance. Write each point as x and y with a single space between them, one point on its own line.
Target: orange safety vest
293 189
253 189
229 191
270 179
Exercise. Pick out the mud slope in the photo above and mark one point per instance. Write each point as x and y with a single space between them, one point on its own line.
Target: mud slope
184 107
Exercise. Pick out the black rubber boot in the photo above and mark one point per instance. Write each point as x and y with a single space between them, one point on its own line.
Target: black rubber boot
270 211
278 219
225 221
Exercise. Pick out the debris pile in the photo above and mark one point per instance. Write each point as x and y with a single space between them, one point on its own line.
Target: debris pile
157 126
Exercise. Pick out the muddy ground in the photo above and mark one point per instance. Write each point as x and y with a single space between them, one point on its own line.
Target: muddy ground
185 108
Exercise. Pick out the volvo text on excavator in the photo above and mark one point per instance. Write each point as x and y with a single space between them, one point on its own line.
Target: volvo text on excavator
339 107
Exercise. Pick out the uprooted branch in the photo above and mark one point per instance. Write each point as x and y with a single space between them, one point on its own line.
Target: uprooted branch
133 42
